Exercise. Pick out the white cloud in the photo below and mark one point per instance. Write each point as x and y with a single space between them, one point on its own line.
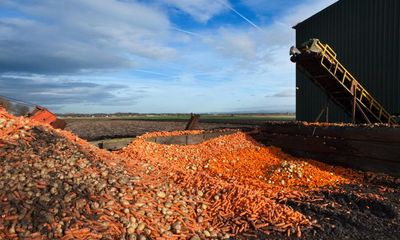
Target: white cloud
220 69
288 93
201 10
302 9
59 92
237 43
256 50
82 35
305 10
262 5
250 64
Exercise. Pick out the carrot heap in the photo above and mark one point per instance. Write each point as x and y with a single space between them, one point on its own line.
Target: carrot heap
54 185
242 180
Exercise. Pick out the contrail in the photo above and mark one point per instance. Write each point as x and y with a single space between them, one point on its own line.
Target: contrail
187 32
240 15
152 72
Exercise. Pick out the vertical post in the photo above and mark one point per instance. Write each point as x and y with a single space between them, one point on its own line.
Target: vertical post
320 114
327 112
354 103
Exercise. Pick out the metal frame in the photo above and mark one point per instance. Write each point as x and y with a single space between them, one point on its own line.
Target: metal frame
362 99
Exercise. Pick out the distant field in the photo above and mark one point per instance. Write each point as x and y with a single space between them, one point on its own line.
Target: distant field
235 118
121 126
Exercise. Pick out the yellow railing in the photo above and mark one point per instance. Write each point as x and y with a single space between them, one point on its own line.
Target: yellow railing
349 82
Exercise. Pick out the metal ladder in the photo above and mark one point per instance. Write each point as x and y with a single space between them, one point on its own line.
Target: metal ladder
319 62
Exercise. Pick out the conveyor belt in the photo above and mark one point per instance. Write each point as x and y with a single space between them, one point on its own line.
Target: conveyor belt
319 62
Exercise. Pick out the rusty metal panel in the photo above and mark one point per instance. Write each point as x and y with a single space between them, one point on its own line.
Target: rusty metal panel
361 147
365 35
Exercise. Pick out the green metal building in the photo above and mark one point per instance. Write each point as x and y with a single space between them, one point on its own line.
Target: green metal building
365 34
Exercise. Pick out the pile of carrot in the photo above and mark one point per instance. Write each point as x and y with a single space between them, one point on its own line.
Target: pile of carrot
226 186
240 178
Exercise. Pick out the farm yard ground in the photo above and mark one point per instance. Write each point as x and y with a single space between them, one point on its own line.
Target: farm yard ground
227 187
366 211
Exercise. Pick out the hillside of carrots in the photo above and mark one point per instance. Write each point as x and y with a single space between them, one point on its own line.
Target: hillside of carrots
54 185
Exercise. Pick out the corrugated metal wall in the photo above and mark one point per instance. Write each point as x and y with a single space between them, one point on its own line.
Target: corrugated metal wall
365 34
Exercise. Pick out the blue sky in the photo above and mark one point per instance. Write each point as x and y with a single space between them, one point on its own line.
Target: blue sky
151 56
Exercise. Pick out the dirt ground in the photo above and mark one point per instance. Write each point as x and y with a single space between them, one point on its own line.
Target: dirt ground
102 129
353 212
367 211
